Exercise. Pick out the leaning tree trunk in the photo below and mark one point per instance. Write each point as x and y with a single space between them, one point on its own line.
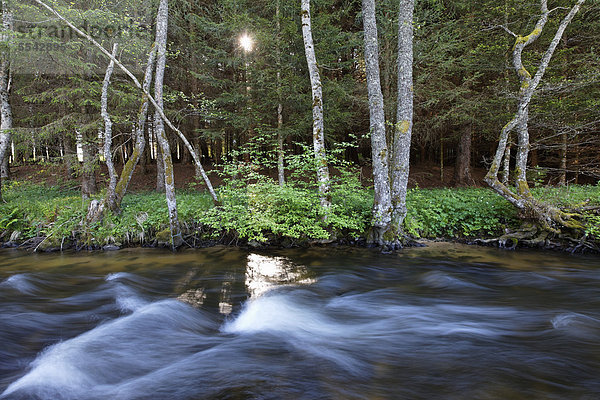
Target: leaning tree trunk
116 192
317 108
159 109
161 135
404 116
140 138
521 197
382 202
5 109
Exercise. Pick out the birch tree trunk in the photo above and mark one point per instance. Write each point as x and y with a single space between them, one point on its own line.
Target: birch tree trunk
317 108
161 136
89 186
140 138
404 115
382 203
114 195
112 172
506 165
280 166
521 197
5 108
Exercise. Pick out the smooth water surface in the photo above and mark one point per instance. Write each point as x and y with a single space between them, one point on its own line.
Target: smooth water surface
443 322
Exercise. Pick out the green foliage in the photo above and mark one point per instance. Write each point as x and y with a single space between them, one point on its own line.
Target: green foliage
41 210
254 207
257 208
573 196
457 212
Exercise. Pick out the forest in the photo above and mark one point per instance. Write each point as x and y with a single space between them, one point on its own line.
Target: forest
272 122
300 199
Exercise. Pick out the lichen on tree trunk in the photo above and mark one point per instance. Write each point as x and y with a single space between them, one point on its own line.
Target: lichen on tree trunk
317 109
161 136
404 116
521 197
382 202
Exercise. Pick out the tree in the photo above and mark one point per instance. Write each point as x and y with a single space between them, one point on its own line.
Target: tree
162 18
521 197
317 108
118 184
158 108
382 203
280 152
404 116
5 107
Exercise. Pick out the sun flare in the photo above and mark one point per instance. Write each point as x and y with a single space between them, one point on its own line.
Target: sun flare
246 42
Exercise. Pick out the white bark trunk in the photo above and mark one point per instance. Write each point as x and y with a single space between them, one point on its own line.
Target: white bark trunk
317 108
382 204
522 198
112 172
5 108
161 61
152 100
140 138
280 155
404 115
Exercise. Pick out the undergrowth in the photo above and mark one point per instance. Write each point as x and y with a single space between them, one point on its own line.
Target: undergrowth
258 209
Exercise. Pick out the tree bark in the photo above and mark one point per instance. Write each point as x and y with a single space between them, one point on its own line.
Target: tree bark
117 189
562 181
280 153
161 60
140 138
89 185
112 172
317 108
160 170
462 167
5 167
521 197
506 165
5 108
382 202
404 115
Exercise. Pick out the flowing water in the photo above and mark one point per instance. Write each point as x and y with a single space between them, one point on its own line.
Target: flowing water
443 322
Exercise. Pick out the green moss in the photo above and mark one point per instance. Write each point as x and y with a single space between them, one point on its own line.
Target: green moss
164 236
524 39
524 73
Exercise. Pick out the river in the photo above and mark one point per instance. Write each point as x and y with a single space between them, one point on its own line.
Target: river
443 322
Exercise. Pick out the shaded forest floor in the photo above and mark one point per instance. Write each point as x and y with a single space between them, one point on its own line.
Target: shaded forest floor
421 175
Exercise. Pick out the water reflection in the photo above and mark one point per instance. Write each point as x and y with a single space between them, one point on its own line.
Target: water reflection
264 273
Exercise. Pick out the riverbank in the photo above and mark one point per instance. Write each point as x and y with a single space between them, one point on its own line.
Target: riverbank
45 218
